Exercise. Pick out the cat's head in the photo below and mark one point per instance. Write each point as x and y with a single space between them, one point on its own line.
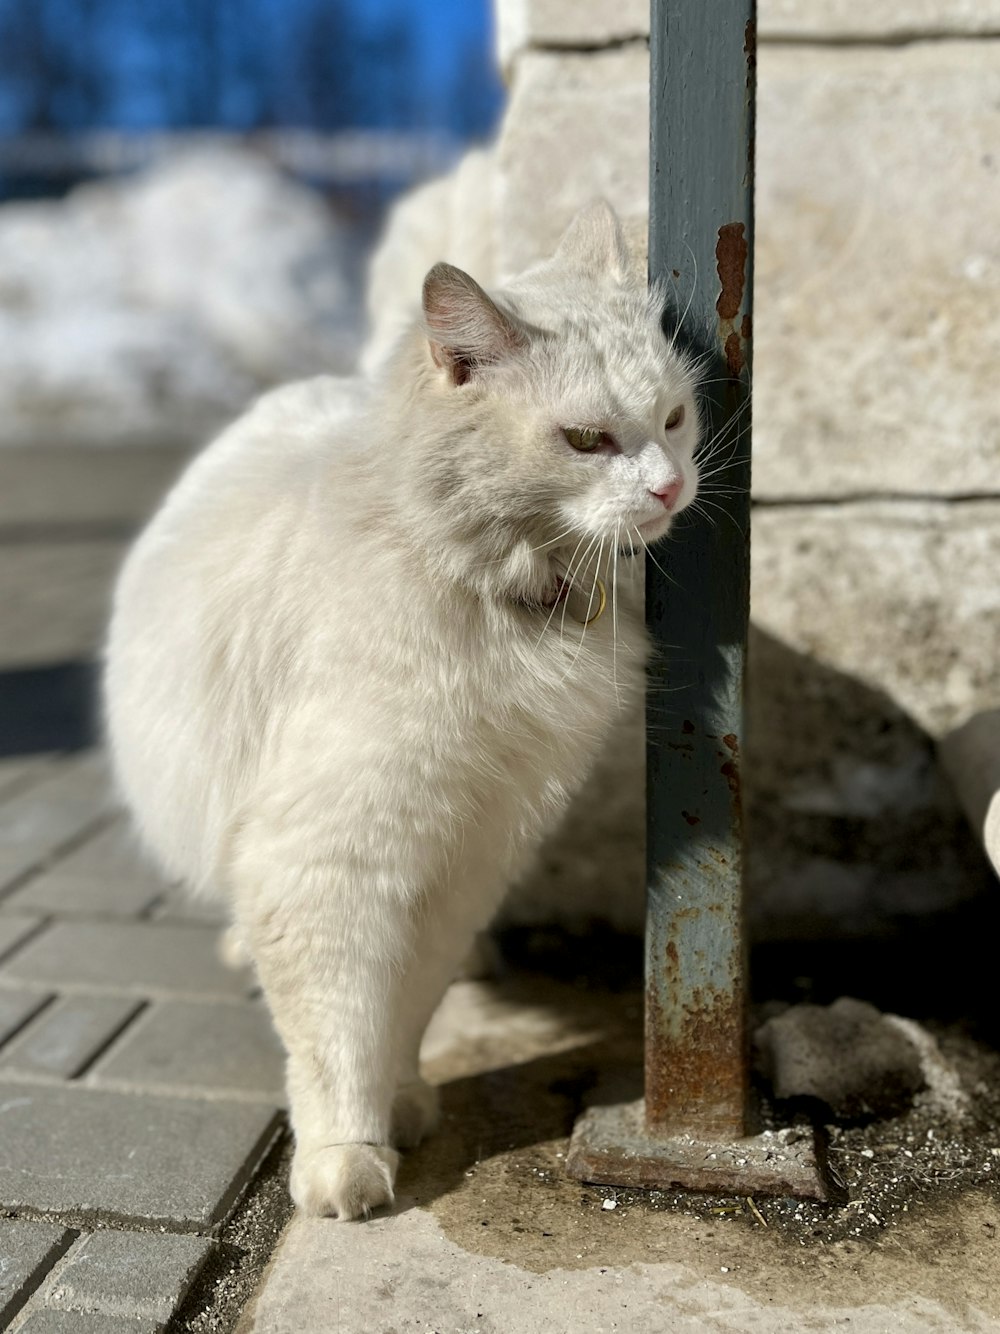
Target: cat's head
564 414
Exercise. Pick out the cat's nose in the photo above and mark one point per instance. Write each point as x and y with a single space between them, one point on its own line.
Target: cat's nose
670 493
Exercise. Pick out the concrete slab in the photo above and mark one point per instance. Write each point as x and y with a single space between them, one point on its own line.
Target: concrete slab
27 1252
135 957
17 1007
14 929
67 1037
410 1272
128 1157
42 1321
139 1275
489 1233
105 876
187 1046
35 823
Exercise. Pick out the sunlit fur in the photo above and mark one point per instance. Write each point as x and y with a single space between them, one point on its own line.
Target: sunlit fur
338 689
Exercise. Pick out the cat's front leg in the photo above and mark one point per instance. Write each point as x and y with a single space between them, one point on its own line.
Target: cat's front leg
328 959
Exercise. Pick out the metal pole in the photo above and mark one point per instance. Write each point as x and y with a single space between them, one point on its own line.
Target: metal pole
701 245
693 1127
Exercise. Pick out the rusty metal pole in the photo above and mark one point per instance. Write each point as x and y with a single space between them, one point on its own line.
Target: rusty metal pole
694 1127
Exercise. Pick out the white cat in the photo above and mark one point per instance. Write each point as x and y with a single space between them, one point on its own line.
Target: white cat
358 661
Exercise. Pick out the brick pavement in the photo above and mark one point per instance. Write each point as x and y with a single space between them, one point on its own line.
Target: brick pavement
140 1079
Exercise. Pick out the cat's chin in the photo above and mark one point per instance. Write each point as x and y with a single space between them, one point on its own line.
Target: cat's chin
653 529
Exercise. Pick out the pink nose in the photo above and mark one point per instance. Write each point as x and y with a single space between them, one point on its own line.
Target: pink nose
669 494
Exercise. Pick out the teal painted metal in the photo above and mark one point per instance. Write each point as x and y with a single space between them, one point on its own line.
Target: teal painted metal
701 246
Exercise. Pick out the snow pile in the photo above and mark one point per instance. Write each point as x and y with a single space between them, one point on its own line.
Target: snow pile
150 309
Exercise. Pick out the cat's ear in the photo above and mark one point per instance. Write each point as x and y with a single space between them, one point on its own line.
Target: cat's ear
594 241
466 329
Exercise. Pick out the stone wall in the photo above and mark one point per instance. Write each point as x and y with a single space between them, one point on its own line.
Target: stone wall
876 598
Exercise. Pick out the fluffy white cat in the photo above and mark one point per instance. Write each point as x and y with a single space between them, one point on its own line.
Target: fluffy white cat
373 641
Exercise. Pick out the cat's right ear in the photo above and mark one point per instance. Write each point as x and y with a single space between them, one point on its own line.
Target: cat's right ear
466 329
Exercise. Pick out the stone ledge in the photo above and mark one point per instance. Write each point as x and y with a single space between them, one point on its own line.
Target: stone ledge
522 24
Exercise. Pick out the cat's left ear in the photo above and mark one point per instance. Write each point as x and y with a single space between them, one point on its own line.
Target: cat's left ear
594 241
466 329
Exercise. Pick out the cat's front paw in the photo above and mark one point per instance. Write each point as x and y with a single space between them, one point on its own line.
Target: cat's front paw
415 1111
343 1181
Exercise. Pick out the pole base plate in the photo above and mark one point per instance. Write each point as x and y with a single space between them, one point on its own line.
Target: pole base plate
612 1147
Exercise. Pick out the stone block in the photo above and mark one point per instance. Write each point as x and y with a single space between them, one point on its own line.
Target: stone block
876 176
16 1008
107 876
67 1037
838 20
567 23
127 1274
142 1159
971 757
36 822
184 1045
588 110
136 957
574 24
877 270
869 639
15 928
27 1252
882 591
180 906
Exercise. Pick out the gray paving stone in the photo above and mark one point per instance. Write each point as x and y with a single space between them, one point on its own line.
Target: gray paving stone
16 1008
27 1252
127 1156
34 823
19 772
137 1274
14 929
68 1035
44 1321
179 906
106 875
136 957
185 1044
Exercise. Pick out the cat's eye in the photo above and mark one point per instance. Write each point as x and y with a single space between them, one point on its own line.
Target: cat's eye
586 437
675 418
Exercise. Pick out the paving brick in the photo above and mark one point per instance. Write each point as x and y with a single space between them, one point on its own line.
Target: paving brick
133 1157
14 929
137 1274
27 1252
106 875
16 1008
178 906
20 772
44 1321
34 823
136 957
65 1039
185 1044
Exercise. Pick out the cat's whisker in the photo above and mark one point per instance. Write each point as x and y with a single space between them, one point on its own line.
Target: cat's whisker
569 578
555 604
645 547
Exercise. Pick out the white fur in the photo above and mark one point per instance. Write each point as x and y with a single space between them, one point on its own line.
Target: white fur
336 691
